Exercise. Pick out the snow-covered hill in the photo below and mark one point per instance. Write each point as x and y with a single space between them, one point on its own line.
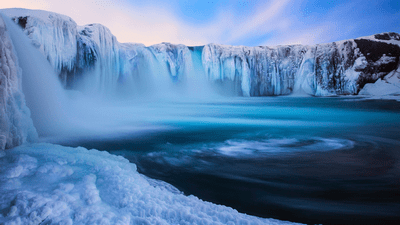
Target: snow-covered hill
338 68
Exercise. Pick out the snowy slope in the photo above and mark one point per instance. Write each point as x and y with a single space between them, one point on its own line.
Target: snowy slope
339 68
50 184
16 126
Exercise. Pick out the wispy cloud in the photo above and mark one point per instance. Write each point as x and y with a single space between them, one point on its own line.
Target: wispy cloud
267 23
151 24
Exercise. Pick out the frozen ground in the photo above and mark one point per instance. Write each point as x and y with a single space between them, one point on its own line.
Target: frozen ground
51 184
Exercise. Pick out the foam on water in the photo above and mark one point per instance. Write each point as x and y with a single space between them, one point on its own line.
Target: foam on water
240 148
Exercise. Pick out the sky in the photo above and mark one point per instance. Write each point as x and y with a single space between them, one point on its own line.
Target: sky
230 22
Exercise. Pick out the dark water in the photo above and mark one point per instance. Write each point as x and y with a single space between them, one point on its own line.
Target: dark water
309 160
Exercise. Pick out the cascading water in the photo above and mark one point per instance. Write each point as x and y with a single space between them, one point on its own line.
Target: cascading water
312 160
44 94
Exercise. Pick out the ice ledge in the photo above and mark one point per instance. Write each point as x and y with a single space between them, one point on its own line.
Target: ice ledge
51 184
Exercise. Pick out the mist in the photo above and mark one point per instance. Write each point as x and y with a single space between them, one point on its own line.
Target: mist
141 102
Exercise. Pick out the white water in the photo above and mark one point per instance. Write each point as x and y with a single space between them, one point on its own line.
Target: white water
43 92
133 107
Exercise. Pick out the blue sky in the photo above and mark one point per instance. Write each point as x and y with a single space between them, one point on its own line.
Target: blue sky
233 22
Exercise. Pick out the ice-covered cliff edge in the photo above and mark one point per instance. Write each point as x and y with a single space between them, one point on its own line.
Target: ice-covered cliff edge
16 126
338 68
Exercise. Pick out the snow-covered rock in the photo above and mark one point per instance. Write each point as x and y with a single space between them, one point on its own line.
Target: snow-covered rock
386 88
53 34
16 126
339 68
50 184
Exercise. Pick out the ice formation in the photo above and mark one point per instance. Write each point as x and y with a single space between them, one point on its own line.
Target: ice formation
53 34
386 88
49 184
16 126
338 68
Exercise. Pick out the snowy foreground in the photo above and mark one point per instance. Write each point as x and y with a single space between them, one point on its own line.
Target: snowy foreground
51 184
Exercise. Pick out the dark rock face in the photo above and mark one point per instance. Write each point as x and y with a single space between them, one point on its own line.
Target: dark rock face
382 59
331 63
374 50
388 36
21 21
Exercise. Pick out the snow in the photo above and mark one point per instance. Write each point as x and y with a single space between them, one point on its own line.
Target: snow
53 34
50 184
373 38
387 88
16 126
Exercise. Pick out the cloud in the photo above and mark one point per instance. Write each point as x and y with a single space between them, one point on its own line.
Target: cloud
269 17
151 24
271 23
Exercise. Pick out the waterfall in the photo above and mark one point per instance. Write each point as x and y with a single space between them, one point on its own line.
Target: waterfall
43 91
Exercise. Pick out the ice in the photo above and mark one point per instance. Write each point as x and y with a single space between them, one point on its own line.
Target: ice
102 47
53 34
90 58
386 88
63 185
16 126
319 70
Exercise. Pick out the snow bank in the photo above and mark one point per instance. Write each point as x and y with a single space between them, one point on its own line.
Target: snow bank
386 88
16 127
50 184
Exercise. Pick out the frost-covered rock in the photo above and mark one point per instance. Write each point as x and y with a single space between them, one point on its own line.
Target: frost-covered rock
53 34
176 58
386 88
16 126
338 68
258 71
50 184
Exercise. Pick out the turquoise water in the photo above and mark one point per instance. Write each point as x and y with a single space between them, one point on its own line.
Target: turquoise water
310 160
